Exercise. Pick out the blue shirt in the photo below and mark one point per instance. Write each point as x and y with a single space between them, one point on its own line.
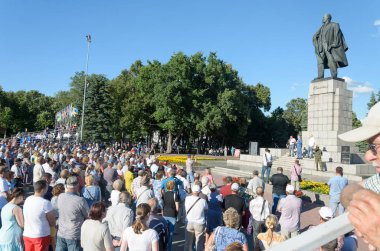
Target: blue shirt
336 185
177 183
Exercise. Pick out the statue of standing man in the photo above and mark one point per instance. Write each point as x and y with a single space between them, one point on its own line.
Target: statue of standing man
330 47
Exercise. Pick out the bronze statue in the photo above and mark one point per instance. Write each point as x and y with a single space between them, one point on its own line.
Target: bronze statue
330 47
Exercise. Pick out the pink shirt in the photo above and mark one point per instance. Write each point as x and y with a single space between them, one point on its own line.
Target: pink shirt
293 174
290 208
210 179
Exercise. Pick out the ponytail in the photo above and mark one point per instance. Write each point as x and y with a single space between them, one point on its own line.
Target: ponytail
142 214
270 223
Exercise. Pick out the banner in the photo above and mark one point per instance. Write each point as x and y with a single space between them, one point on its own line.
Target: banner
64 117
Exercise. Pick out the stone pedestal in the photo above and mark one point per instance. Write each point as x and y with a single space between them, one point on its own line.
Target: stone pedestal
329 114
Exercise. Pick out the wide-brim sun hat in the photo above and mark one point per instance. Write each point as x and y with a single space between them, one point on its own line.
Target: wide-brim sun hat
370 127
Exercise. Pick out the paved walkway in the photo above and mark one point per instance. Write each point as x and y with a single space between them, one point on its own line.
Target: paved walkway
309 216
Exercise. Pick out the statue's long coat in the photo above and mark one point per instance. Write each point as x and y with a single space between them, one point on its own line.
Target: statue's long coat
333 37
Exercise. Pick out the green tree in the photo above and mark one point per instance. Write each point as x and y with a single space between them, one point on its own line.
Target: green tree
44 120
362 145
372 101
296 114
355 121
6 119
97 125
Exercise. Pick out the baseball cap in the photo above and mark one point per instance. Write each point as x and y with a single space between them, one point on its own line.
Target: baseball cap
196 188
290 188
72 181
370 127
235 187
326 213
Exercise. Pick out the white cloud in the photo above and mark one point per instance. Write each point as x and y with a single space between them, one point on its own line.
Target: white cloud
296 86
376 23
358 87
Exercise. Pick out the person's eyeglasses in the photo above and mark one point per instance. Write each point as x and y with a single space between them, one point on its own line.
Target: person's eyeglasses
373 148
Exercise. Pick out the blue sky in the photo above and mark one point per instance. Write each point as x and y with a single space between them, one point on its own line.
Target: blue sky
43 43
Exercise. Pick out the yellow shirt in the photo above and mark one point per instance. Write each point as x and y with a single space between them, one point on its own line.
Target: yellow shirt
128 178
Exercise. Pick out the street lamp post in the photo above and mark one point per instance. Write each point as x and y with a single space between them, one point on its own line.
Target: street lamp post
88 37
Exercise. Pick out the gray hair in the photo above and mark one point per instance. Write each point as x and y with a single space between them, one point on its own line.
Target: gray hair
124 197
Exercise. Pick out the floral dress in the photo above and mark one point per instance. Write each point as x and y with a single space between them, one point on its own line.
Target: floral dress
224 236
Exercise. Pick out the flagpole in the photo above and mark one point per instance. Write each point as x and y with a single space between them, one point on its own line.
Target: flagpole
88 37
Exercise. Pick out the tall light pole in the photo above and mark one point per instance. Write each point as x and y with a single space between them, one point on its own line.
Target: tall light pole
88 37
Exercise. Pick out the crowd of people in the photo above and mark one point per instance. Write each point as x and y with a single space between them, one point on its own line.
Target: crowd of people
110 198
95 198
88 197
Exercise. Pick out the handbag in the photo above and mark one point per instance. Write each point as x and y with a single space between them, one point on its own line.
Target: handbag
269 163
262 227
298 175
212 247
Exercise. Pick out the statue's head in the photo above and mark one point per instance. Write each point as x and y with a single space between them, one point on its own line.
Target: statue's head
326 18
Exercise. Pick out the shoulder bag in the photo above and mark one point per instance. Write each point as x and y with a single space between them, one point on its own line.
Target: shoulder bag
213 244
192 206
262 227
298 175
269 163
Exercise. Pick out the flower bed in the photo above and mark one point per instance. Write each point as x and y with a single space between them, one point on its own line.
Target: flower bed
180 159
316 187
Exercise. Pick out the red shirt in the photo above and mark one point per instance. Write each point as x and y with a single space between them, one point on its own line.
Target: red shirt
225 190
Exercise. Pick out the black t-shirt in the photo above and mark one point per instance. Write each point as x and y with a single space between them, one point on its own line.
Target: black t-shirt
170 198
235 201
279 182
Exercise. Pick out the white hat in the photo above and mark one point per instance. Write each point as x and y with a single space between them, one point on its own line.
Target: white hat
370 127
290 188
326 213
235 187
196 189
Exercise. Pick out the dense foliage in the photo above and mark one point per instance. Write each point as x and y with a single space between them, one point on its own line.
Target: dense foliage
190 101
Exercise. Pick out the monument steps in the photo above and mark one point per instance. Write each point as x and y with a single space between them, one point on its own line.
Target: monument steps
248 163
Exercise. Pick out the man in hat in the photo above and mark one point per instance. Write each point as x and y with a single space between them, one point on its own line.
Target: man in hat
362 200
290 208
196 220
234 200
73 211
326 214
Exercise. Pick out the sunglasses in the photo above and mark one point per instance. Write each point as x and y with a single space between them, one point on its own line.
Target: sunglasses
373 148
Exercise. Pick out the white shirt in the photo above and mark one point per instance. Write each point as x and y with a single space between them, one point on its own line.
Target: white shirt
311 142
267 157
189 165
114 197
4 187
254 183
36 223
17 171
197 212
185 182
119 217
38 171
143 194
255 207
154 168
140 242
